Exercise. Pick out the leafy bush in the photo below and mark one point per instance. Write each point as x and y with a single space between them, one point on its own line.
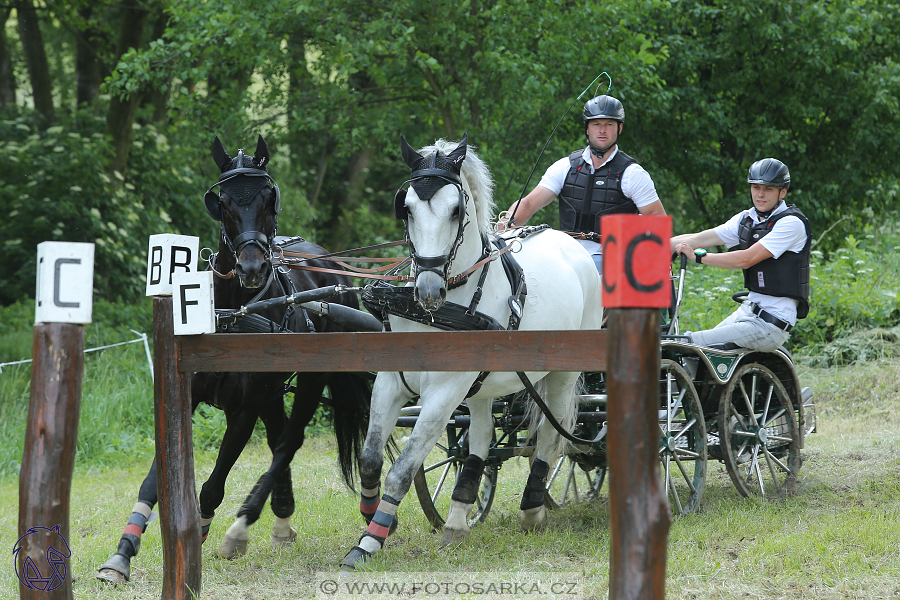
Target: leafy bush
55 186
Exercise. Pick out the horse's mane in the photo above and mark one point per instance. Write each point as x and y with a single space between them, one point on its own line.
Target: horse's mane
477 174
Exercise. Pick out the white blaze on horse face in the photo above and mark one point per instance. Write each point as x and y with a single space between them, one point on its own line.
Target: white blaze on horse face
433 228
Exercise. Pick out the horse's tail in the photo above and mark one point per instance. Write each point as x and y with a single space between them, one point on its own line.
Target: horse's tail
351 394
536 417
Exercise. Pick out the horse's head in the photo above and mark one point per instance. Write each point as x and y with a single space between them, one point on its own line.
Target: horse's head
434 213
247 205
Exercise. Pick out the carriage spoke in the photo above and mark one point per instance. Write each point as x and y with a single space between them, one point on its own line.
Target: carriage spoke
684 429
765 412
776 460
747 401
747 434
440 463
772 469
778 414
754 468
685 453
777 438
687 478
556 469
570 480
440 483
671 484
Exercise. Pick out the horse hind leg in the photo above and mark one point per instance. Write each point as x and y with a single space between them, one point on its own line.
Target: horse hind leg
560 398
118 568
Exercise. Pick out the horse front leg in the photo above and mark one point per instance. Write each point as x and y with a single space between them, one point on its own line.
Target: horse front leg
465 492
388 397
430 424
237 537
238 429
282 504
560 399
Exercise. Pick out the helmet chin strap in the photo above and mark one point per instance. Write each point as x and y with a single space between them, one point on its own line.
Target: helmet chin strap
765 215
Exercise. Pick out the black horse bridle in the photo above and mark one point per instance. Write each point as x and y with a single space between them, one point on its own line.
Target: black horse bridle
440 265
214 208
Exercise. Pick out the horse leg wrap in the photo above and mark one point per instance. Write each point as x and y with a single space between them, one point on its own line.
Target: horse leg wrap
466 489
282 502
130 542
368 501
533 496
384 522
205 521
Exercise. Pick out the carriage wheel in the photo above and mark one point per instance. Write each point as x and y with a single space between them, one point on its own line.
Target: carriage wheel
434 485
683 449
760 440
569 482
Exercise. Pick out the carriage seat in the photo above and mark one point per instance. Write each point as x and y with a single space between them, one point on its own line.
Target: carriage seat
733 346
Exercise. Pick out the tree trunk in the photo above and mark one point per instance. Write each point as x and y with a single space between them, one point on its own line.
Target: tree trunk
36 57
7 78
87 66
345 200
300 83
121 114
155 98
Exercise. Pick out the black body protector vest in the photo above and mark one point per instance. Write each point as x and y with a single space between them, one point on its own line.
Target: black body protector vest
585 197
786 276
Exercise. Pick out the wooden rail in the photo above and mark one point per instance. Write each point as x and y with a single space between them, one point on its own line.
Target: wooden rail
637 565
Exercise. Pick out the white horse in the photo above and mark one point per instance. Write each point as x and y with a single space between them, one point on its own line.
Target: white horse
448 212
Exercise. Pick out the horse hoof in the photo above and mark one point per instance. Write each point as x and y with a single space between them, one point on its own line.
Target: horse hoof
357 557
533 519
280 541
452 537
116 570
111 576
232 547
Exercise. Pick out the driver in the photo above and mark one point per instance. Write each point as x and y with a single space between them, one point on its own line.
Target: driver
592 181
770 243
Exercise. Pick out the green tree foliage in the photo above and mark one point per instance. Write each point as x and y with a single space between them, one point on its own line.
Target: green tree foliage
815 84
708 88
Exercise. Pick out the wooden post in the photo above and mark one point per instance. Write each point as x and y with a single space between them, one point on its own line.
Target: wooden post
178 507
639 510
636 273
45 480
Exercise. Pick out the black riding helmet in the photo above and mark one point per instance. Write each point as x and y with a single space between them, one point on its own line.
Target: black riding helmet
770 171
603 107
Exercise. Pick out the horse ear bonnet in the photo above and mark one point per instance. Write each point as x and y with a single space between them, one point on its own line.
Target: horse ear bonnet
243 188
426 187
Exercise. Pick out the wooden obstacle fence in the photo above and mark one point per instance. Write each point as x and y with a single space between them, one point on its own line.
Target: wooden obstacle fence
638 549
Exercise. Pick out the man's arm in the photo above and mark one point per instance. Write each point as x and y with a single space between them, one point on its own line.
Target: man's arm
736 259
705 238
654 208
530 204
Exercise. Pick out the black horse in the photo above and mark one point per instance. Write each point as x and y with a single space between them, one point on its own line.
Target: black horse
247 206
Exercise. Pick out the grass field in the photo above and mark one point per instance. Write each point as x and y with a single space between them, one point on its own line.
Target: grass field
838 536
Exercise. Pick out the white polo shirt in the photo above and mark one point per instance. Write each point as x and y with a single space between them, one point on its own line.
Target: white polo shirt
636 185
788 234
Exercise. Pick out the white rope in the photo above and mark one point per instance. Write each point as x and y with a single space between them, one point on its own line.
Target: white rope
143 338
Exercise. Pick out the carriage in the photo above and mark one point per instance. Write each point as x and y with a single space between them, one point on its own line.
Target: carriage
744 408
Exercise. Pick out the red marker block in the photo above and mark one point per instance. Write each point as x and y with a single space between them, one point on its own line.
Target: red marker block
637 261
